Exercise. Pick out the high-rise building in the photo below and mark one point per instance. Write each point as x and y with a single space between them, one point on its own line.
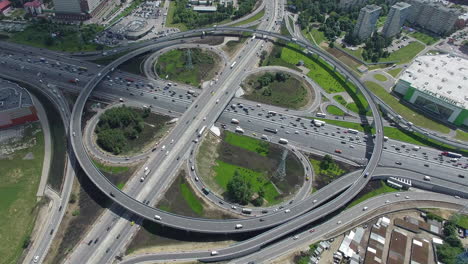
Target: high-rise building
432 16
77 9
366 21
395 19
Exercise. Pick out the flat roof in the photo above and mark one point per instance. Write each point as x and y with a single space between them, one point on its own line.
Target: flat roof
443 76
204 8
397 249
419 251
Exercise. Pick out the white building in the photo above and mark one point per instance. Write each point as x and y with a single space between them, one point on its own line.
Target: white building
366 21
438 85
395 19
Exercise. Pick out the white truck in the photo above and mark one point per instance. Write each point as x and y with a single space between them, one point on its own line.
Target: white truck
319 123
200 133
233 64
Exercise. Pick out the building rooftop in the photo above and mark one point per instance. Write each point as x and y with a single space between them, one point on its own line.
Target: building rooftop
371 8
401 5
442 76
204 8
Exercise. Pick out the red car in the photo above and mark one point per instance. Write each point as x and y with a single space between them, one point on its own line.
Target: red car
338 151
312 230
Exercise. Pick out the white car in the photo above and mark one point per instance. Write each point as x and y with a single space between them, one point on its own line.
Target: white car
36 259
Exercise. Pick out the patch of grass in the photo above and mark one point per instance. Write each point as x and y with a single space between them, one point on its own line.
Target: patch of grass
318 36
120 185
290 93
384 188
325 76
380 77
381 21
333 110
252 19
461 135
191 199
405 54
426 39
248 143
225 172
356 53
69 38
19 180
394 72
326 170
170 18
406 112
461 220
110 169
173 64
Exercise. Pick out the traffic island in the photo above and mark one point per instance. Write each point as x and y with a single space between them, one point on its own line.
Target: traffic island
248 171
278 88
189 66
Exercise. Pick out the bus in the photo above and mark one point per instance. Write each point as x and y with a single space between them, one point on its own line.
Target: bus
352 131
452 155
200 133
271 130
318 123
246 210
322 115
233 64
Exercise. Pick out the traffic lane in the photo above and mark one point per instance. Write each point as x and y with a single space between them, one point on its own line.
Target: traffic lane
349 216
329 143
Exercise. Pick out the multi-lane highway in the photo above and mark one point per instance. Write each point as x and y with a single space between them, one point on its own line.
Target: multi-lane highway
205 110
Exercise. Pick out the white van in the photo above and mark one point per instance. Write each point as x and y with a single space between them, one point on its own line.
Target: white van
427 178
238 226
157 217
365 208
214 253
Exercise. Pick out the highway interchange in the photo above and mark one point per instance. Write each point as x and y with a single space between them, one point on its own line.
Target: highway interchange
206 109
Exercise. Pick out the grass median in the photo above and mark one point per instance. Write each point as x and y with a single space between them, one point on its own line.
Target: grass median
381 188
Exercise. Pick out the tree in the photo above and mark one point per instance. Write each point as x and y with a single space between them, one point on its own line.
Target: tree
238 189
281 77
326 162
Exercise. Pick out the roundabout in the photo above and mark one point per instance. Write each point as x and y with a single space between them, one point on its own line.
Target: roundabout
186 130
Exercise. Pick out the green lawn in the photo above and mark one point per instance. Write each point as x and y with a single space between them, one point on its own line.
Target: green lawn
333 171
191 199
426 39
69 38
225 172
333 110
318 36
324 75
120 185
110 169
290 93
380 77
170 18
248 143
394 72
173 64
404 111
381 21
461 135
252 19
356 53
405 54
383 189
19 180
